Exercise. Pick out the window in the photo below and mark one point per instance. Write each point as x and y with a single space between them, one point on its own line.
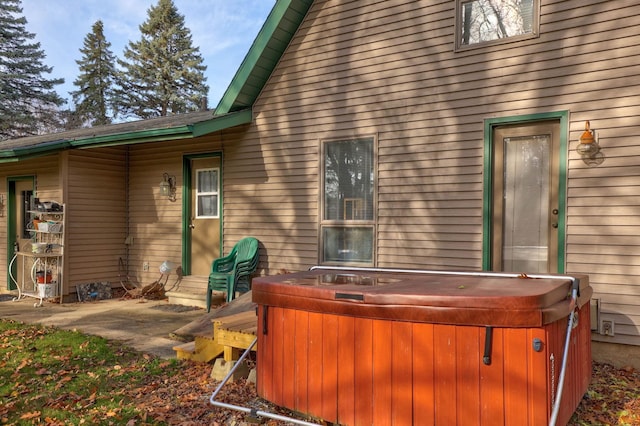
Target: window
207 192
347 226
482 21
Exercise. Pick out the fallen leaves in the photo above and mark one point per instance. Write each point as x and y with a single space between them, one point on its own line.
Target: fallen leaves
613 398
32 415
81 381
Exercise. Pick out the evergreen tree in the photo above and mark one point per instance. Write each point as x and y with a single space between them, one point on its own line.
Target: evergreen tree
162 73
94 98
28 103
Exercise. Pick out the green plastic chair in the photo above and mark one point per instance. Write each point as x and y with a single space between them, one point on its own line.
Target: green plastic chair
232 273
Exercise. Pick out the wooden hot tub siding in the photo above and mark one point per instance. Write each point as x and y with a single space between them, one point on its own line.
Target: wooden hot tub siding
361 371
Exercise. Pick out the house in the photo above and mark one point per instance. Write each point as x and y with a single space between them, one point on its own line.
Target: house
407 134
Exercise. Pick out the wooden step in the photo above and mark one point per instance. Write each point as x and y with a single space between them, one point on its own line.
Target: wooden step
187 299
202 349
234 332
185 350
226 330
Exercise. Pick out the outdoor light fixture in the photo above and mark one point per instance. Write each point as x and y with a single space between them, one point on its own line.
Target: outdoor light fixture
168 186
588 147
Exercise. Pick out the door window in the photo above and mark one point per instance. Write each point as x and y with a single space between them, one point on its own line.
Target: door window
207 193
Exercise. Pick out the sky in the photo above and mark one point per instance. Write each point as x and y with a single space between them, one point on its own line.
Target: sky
223 30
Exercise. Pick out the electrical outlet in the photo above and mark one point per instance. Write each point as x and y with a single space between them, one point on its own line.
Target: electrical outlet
606 328
145 266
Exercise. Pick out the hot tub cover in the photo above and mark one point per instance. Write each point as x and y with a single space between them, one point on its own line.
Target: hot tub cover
501 301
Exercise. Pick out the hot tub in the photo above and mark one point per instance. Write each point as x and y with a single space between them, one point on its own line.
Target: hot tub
380 347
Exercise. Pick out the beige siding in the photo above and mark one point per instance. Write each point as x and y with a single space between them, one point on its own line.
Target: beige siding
155 223
389 68
96 215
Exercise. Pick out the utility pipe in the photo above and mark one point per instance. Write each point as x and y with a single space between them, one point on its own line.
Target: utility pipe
248 410
556 405
575 289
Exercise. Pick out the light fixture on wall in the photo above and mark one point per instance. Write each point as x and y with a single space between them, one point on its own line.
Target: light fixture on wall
588 147
168 186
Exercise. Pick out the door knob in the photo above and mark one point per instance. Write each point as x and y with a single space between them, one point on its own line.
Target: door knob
555 225
554 211
191 226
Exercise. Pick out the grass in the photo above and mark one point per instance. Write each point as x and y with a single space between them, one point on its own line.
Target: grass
53 376
57 377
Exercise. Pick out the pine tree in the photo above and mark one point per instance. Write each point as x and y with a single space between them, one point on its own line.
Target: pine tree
162 73
28 103
95 95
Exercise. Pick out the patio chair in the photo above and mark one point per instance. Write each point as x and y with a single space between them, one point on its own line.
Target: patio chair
232 273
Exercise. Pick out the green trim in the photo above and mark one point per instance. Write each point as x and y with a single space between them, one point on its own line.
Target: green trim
215 124
186 201
223 122
487 205
186 205
130 138
489 125
264 54
12 220
14 155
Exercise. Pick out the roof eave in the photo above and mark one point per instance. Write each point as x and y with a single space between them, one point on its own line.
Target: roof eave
216 123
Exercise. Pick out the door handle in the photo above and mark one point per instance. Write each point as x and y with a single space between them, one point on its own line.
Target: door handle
191 226
554 225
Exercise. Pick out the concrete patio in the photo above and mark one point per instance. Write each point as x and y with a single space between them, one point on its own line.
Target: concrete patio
145 325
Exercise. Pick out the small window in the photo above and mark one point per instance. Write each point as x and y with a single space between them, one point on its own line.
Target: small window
482 21
348 220
207 193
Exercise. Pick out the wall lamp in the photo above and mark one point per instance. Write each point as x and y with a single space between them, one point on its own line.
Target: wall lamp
588 147
168 186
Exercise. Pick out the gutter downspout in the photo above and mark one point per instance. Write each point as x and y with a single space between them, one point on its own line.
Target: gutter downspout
575 292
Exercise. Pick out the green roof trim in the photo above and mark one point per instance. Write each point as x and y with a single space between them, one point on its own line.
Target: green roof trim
12 155
263 56
222 122
181 126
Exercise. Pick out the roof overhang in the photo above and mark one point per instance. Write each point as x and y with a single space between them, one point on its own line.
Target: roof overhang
26 148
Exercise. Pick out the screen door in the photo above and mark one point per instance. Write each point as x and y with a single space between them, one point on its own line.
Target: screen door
525 198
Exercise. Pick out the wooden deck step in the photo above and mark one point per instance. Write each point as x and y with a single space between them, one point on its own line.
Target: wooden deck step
185 350
203 349
235 332
233 328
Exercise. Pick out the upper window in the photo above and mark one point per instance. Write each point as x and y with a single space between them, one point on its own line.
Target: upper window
483 21
207 191
347 228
